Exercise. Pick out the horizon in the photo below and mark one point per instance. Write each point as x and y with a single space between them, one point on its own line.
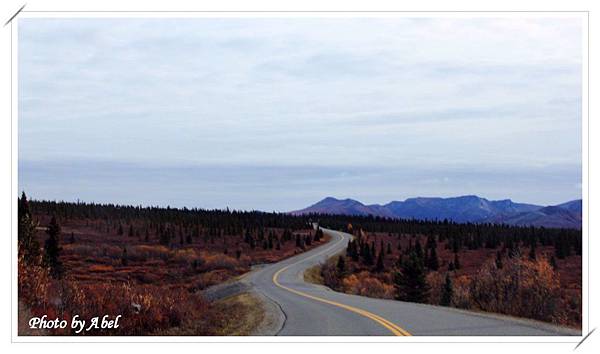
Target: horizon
273 114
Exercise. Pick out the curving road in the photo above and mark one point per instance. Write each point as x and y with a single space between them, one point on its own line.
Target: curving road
311 309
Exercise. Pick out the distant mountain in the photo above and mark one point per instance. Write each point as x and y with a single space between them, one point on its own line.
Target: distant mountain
468 208
332 205
574 206
566 215
459 209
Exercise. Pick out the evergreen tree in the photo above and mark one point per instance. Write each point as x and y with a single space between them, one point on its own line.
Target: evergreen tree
433 261
367 254
447 292
52 249
560 249
456 261
410 282
532 255
380 266
400 261
164 238
29 246
418 250
341 265
553 263
373 252
124 259
499 263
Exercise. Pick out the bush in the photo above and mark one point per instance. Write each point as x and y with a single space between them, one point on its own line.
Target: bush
435 281
522 288
365 285
220 261
331 278
462 296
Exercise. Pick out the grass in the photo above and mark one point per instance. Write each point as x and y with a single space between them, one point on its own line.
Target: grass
245 314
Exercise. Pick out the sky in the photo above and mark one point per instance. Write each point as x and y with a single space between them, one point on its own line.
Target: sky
278 113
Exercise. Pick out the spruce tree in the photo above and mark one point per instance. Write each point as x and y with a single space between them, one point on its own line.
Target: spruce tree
52 249
410 282
418 250
553 263
164 238
341 265
447 292
124 259
456 261
499 263
433 261
380 266
29 246
451 266
532 255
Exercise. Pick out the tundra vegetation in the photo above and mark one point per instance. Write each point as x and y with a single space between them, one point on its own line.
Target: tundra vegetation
147 264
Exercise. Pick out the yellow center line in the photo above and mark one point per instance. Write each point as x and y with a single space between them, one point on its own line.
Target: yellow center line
395 329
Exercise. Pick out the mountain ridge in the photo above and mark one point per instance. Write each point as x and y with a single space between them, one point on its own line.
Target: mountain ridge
467 208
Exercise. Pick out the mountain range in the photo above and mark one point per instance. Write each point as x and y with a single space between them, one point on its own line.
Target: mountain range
469 208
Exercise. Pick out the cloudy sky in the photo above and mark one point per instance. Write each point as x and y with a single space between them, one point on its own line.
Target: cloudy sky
275 114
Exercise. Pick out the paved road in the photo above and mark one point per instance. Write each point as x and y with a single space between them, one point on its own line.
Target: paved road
316 310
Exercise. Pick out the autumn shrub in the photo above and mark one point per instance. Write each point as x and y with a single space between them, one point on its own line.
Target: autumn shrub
145 309
521 288
331 277
572 305
81 250
364 284
219 261
33 283
461 297
149 252
111 252
435 281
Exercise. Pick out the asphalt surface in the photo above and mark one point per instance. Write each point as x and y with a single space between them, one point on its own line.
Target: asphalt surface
314 310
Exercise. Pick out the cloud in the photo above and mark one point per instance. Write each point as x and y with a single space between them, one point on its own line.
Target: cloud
355 93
